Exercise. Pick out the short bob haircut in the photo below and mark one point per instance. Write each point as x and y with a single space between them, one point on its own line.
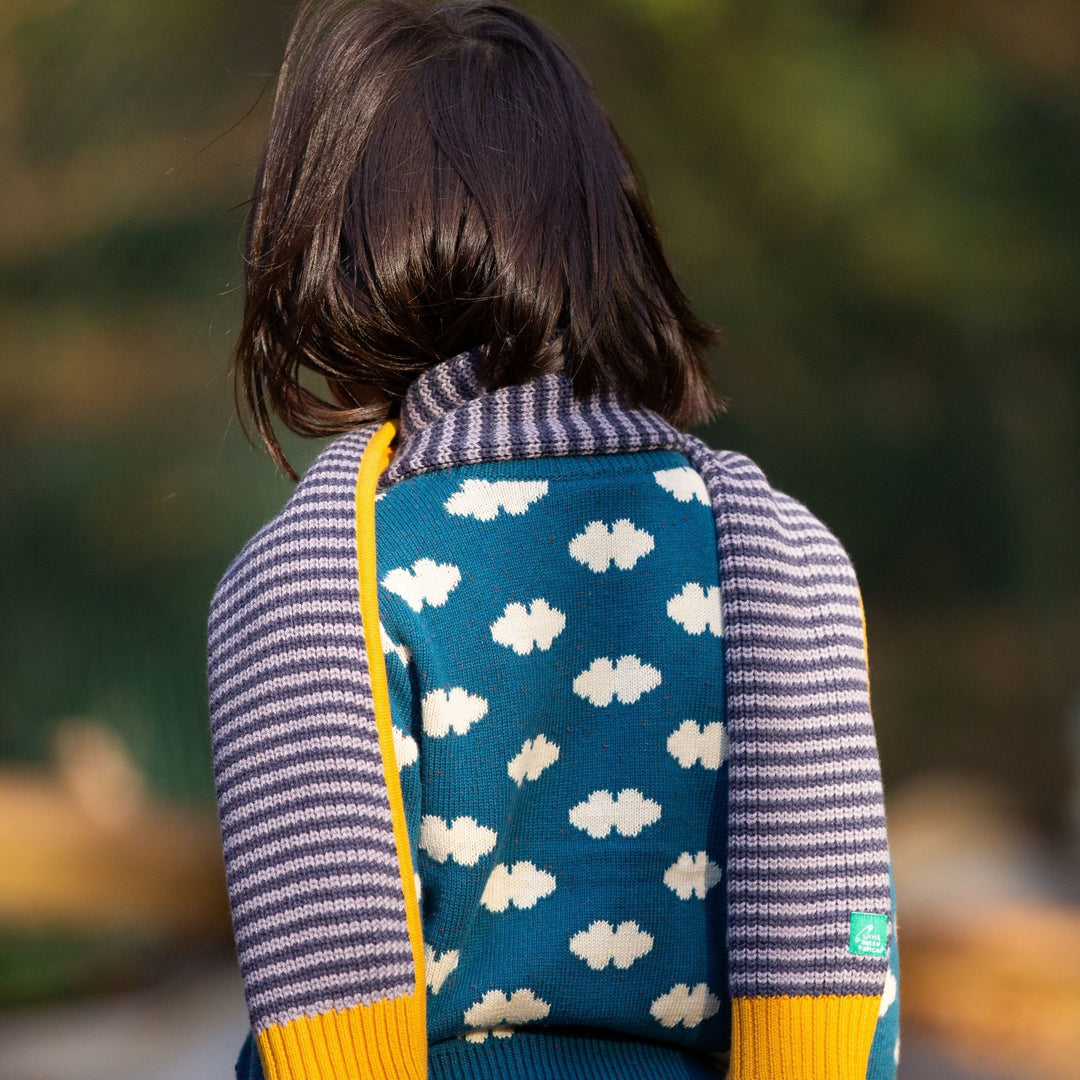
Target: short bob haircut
437 180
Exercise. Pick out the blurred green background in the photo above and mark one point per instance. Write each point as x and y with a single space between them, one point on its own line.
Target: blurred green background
877 200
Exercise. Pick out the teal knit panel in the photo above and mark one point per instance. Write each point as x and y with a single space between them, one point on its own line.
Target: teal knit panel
561 1056
553 637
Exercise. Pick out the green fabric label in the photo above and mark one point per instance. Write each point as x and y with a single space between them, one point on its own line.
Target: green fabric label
868 935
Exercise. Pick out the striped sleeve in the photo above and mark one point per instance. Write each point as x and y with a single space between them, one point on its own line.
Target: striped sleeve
810 914
311 857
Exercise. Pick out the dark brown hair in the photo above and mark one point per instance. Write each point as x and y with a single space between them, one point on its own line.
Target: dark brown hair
442 179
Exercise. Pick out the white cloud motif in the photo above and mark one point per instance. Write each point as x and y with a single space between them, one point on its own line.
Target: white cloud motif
627 813
406 752
688 744
888 994
495 1009
426 582
692 875
456 710
463 840
388 646
524 628
533 758
621 543
437 969
520 885
627 680
484 499
684 483
696 609
681 1005
603 944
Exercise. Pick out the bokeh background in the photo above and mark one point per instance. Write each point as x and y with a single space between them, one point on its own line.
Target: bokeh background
877 200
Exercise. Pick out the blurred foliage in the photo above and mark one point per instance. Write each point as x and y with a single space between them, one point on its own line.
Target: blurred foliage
37 967
876 201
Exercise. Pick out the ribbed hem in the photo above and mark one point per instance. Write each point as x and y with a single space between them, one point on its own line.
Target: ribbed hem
385 1040
545 1056
802 1038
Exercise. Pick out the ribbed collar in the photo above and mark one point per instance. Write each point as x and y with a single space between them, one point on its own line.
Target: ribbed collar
449 418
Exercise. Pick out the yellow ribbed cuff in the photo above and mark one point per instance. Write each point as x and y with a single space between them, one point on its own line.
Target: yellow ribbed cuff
386 1040
802 1038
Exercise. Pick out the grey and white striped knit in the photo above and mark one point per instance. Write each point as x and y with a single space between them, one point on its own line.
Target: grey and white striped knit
315 878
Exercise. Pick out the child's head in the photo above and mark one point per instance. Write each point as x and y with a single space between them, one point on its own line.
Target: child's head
442 179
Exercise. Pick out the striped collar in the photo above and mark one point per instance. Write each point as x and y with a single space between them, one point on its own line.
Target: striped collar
449 418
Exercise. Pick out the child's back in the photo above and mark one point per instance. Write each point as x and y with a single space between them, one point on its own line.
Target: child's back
554 649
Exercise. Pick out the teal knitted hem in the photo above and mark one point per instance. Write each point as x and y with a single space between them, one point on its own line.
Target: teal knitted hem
536 1056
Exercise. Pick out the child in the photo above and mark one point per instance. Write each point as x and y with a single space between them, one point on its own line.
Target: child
541 730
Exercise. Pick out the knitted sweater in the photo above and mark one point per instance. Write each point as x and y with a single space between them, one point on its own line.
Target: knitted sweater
558 712
696 868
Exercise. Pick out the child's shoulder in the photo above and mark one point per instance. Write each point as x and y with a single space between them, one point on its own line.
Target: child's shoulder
310 537
746 503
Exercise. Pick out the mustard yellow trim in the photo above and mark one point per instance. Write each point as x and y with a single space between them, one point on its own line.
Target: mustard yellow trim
375 459
386 1040
802 1038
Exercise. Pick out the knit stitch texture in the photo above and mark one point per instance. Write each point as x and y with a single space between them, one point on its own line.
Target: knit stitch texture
557 685
315 885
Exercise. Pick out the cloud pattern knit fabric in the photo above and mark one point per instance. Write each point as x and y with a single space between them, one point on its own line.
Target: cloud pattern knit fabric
553 634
